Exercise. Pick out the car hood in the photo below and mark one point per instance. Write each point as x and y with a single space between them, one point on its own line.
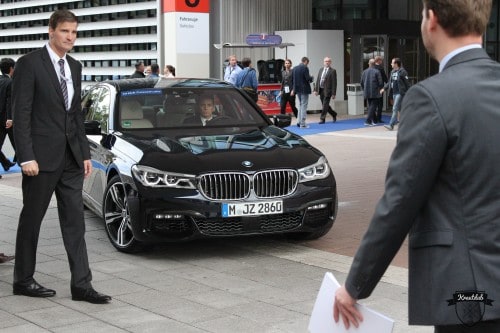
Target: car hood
205 150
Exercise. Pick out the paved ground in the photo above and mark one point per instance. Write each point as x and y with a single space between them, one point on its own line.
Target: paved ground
242 285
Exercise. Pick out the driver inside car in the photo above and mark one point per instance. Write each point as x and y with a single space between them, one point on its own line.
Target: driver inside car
206 109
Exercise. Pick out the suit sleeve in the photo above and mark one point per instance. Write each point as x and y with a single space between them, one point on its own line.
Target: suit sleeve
413 168
82 138
334 83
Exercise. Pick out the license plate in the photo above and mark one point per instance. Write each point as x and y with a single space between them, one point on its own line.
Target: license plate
252 208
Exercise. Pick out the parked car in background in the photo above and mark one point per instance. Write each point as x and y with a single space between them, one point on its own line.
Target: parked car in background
160 176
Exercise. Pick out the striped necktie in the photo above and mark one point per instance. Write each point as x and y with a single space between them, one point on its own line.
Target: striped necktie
64 87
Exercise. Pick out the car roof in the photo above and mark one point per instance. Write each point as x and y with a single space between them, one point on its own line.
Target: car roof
139 83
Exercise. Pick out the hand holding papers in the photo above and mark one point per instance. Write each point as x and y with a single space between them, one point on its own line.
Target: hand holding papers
322 315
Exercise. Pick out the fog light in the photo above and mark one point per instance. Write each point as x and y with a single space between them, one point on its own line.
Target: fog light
168 216
316 207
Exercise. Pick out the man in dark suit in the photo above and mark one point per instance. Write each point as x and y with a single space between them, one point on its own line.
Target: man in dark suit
380 103
206 109
7 68
371 83
54 156
326 88
139 70
442 185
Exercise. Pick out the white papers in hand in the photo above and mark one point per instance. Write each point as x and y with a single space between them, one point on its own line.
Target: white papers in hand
322 315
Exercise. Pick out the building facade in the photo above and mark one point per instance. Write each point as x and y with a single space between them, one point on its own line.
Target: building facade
114 34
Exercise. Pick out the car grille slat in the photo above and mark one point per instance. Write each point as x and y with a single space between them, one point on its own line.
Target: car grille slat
236 185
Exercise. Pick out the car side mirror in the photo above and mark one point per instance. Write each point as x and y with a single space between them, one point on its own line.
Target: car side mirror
282 120
92 127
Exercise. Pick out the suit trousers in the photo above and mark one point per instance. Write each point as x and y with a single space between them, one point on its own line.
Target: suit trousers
325 103
372 107
287 98
490 326
67 183
378 111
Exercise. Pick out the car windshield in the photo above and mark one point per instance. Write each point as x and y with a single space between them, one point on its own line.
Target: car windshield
185 107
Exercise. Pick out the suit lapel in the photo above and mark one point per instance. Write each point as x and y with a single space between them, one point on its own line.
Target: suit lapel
49 68
74 77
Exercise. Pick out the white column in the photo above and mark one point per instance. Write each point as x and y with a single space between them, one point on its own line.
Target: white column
186 37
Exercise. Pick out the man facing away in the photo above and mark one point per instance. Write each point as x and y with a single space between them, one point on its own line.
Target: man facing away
54 156
379 64
302 88
442 184
326 88
398 85
371 83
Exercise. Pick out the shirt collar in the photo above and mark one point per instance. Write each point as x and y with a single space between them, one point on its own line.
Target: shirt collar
453 53
53 56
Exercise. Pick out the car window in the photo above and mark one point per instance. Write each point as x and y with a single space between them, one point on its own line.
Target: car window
97 105
185 107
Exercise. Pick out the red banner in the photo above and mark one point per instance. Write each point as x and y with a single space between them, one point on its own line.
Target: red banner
194 6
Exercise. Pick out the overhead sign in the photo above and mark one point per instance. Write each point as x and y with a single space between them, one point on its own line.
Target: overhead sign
190 6
263 39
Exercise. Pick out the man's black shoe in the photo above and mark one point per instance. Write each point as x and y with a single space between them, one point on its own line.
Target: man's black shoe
89 295
8 165
335 118
33 290
322 121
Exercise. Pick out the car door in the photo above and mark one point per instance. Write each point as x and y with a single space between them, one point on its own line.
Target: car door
97 107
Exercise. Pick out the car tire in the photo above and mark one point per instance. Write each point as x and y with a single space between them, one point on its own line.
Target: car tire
116 217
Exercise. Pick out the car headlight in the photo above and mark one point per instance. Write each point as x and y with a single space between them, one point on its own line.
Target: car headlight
318 170
152 177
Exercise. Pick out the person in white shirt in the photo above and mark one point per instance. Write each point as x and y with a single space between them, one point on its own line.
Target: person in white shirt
232 70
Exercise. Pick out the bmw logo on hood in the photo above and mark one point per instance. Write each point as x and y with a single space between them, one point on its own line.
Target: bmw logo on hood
247 164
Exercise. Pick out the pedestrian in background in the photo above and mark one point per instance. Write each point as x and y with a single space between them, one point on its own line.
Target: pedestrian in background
232 70
442 185
139 70
302 88
371 83
398 85
379 64
247 79
7 69
286 92
155 71
326 88
169 71
54 155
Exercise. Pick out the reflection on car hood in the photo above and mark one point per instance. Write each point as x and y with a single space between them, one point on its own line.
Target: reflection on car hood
269 147
254 139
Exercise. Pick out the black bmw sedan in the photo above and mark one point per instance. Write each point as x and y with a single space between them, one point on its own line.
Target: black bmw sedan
177 159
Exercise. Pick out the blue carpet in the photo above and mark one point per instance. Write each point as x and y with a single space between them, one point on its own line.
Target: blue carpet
329 126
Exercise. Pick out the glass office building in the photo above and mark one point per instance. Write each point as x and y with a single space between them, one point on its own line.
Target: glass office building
114 34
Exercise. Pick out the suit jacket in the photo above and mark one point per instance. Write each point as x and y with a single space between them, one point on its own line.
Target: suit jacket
43 128
371 82
329 83
443 188
301 79
5 98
